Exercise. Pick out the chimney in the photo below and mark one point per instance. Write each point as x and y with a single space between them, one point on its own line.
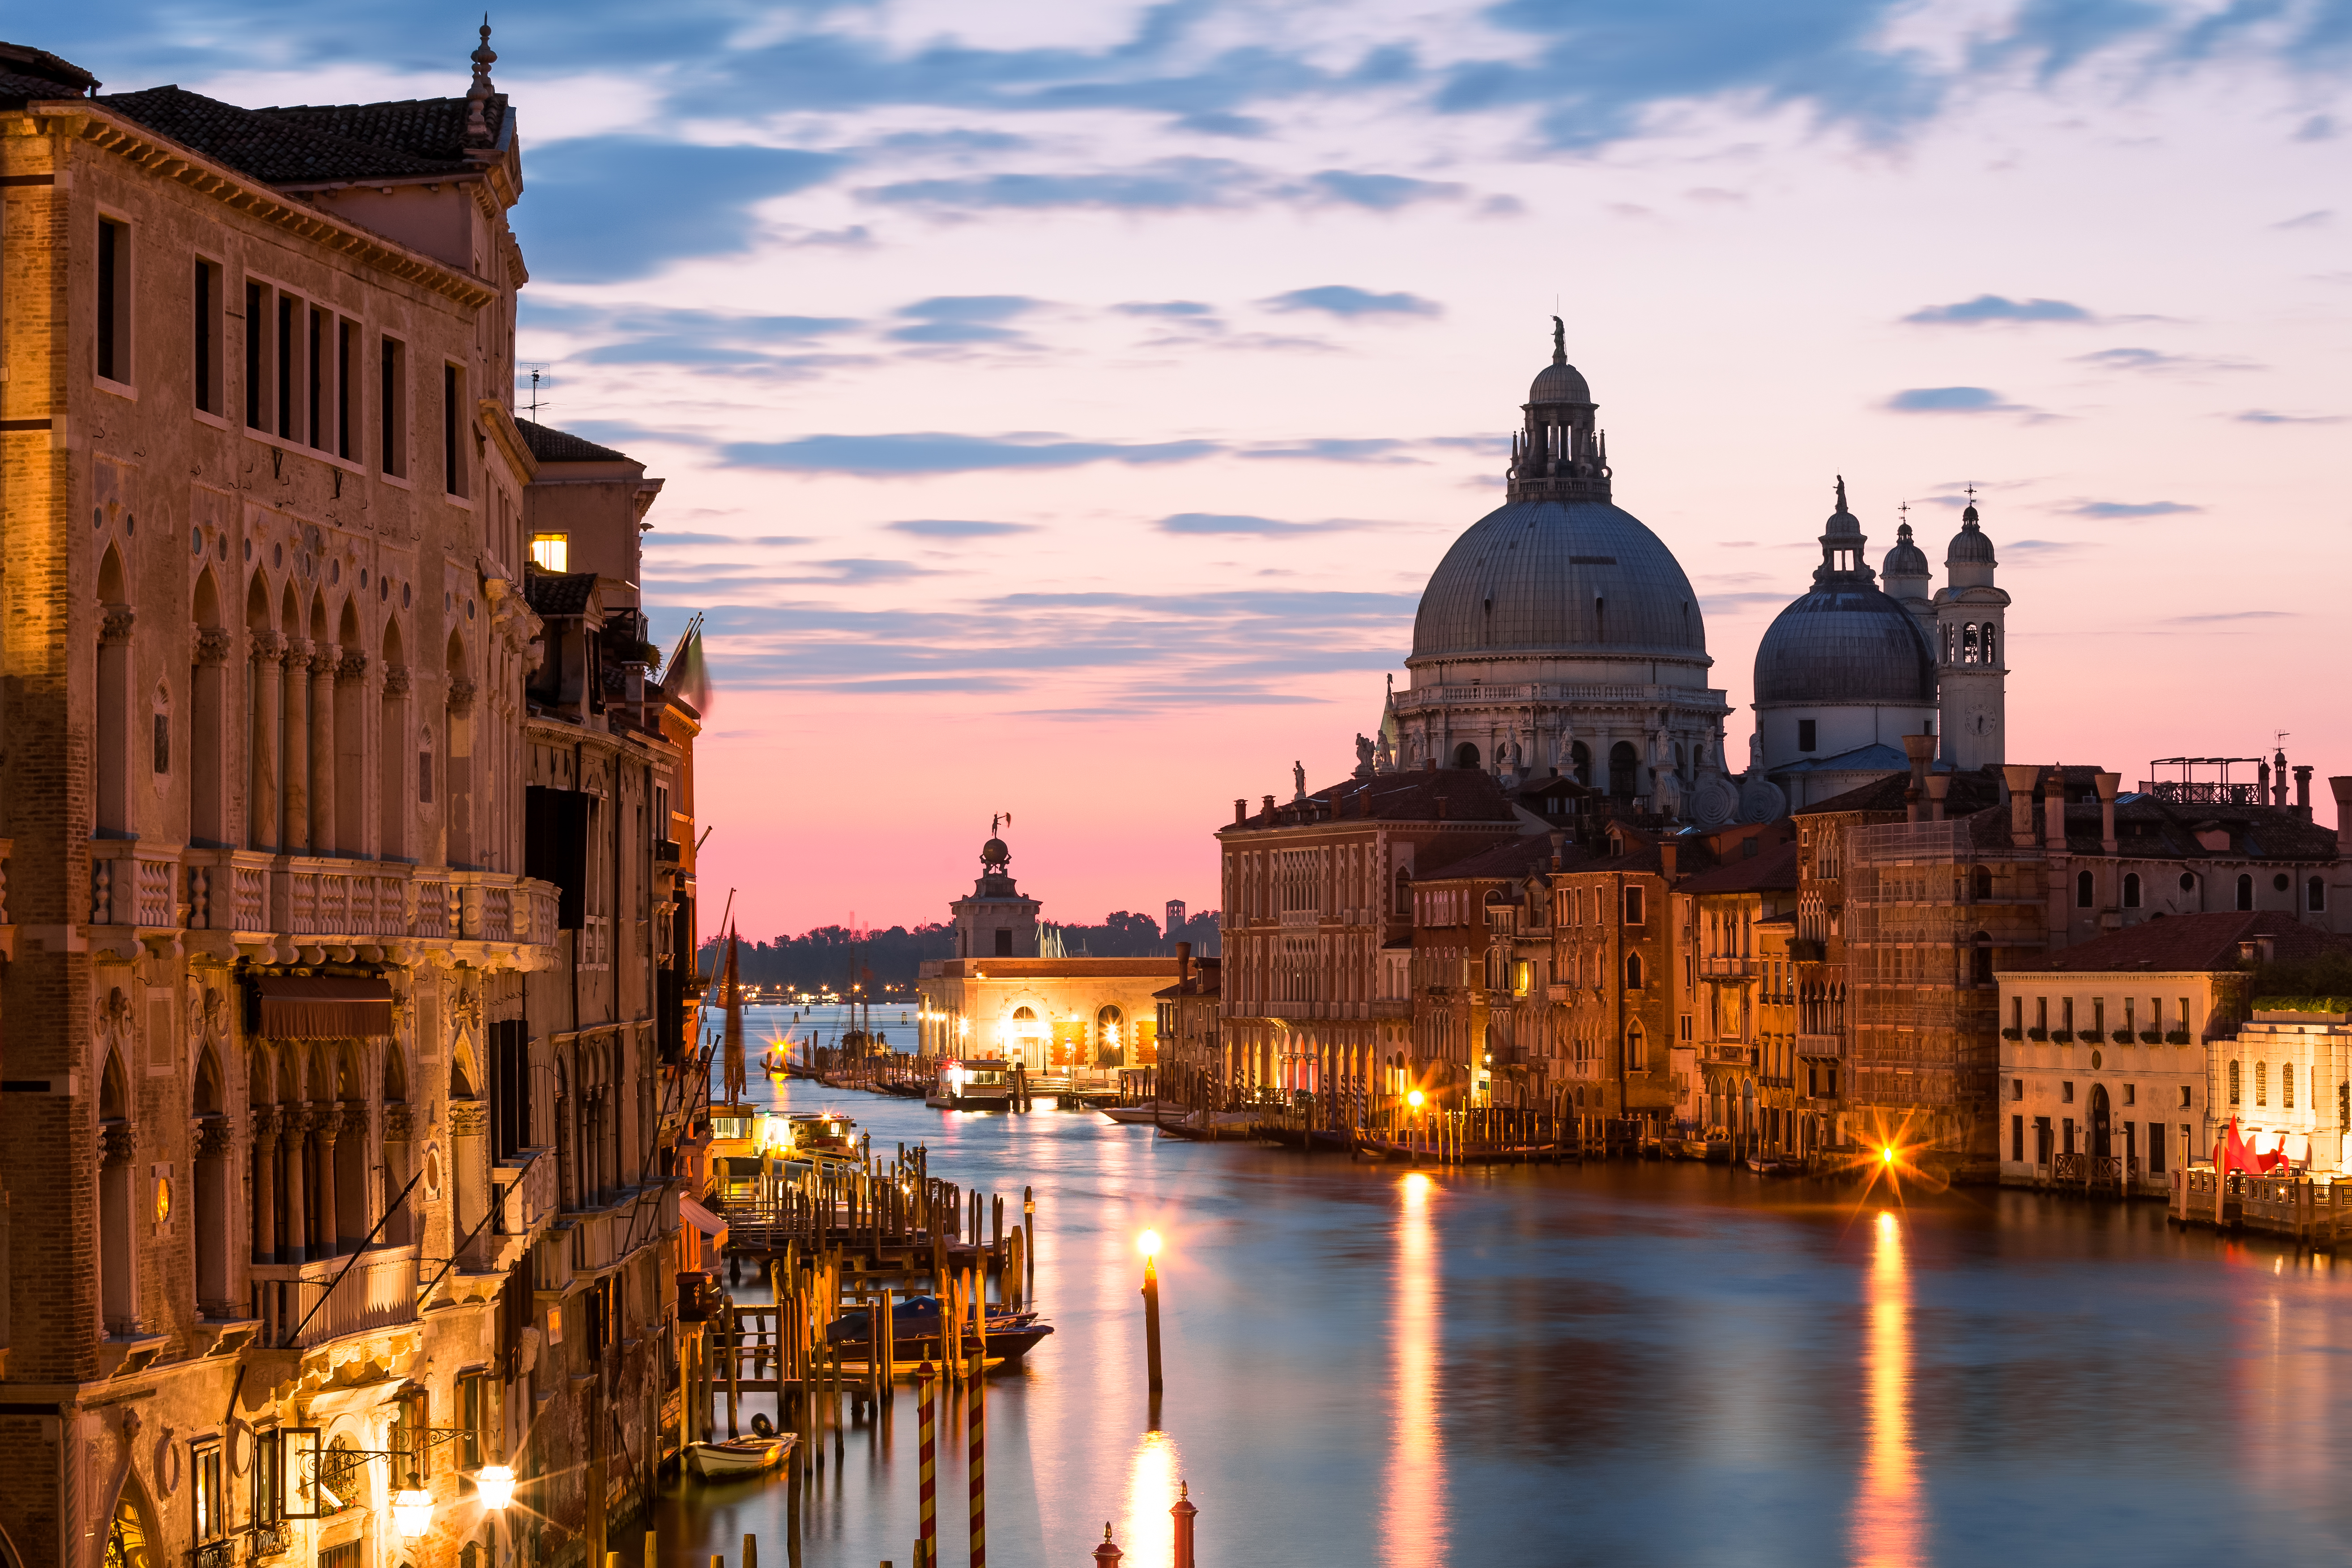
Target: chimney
2106 783
2302 791
1241 812
1938 786
1183 961
1666 860
2341 787
1269 810
1921 750
2017 778
2054 807
1559 845
1441 808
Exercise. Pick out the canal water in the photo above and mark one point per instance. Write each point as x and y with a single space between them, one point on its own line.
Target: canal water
1624 1364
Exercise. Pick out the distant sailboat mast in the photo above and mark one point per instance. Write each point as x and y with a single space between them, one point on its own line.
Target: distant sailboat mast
732 995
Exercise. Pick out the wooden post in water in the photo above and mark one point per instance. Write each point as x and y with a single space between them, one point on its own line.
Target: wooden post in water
978 1422
1182 1514
1151 1323
734 1333
927 1541
1028 1245
750 1552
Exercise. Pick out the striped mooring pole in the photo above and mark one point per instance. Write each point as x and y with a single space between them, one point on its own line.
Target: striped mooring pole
979 1422
927 1535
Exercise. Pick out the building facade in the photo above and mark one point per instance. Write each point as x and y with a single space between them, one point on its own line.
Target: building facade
292 1175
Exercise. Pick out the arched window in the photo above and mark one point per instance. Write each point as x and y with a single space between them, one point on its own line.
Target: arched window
1980 883
1580 761
2085 890
2245 891
2314 895
1465 755
2131 890
118 1247
1950 638
1991 654
2233 1083
2286 1085
1110 1036
1968 646
1635 1053
1624 767
2188 881
2261 1083
211 1195
1632 971
112 752
1403 893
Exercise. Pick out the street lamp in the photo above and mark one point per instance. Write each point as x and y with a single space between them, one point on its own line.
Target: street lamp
495 1484
412 1508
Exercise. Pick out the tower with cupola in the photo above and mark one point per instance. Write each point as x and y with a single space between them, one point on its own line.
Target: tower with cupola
1972 650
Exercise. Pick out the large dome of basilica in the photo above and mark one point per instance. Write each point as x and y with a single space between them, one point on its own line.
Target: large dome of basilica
1557 578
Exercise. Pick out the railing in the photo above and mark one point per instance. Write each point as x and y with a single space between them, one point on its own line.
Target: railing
524 1189
1717 965
378 1292
1821 1045
214 1554
321 899
270 1537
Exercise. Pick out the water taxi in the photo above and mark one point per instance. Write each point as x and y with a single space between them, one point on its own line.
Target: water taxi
973 1086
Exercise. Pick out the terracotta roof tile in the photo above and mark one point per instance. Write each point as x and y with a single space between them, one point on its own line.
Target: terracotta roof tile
2194 944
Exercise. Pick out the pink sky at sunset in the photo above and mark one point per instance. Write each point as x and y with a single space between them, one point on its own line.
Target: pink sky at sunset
1068 425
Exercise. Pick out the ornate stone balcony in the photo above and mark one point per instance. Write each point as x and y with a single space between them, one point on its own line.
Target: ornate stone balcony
304 1300
290 907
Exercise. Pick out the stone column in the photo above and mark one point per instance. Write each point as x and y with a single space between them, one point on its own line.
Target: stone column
206 746
265 1184
326 1121
322 750
396 787
295 1174
295 786
350 756
457 769
115 746
261 766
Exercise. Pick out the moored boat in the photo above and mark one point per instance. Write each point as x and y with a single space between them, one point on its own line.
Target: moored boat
915 1333
981 1084
739 1455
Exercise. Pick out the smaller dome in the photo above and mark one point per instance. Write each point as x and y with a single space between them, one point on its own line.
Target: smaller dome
994 853
1970 546
1841 524
1906 559
1560 382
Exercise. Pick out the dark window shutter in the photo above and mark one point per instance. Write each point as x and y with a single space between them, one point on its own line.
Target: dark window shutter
555 847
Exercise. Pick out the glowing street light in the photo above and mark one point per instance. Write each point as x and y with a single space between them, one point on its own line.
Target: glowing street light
412 1508
1413 1100
495 1485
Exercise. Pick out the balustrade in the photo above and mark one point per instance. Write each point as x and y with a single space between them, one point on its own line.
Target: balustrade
325 899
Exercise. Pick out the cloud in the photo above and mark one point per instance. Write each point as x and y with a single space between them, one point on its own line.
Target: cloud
958 528
2320 220
604 208
660 536
1172 310
654 335
1347 301
2112 511
1737 603
899 455
1209 522
2154 361
2318 128
2042 546
1216 122
956 319
1995 308
2266 416
1951 400
2229 616
1382 193
1166 185
1336 449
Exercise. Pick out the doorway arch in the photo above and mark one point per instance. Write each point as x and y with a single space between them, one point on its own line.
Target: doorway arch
2102 1123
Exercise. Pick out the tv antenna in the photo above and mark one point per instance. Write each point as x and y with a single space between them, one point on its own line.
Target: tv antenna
539 374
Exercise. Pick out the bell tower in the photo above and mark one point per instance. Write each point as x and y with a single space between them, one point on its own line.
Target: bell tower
1972 650
996 921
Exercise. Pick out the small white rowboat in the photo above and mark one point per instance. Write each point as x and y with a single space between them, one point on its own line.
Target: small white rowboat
738 1457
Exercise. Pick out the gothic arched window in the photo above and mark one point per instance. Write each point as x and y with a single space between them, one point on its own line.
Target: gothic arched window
2131 890
2245 891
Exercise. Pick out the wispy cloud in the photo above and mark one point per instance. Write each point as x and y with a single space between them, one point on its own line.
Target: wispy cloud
1207 522
1347 300
2267 416
1990 308
684 200
899 455
2319 219
964 319
2156 361
2228 615
1952 400
2123 511
958 528
661 537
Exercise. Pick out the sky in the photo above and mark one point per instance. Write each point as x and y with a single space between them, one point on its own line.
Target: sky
1063 405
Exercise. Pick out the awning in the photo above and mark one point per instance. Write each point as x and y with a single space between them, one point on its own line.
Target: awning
321 1007
701 1218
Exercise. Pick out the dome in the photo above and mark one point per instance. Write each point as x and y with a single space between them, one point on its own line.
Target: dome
1906 559
1846 642
994 853
1970 546
1554 577
1560 382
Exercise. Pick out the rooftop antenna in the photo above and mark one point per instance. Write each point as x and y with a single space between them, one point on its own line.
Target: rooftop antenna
537 373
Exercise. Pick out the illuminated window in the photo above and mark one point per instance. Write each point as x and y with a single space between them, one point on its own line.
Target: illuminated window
551 552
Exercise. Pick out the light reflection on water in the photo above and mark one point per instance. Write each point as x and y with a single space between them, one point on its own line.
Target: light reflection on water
1886 1524
1627 1364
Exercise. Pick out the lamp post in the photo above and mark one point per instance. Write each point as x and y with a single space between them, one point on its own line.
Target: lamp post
1149 1244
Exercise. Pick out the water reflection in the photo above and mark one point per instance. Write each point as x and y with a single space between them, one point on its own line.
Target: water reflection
1413 1503
1149 1534
1887 1525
